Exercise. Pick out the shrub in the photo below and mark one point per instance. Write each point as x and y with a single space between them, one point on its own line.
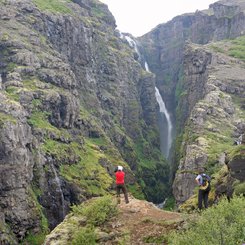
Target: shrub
221 224
98 211
85 236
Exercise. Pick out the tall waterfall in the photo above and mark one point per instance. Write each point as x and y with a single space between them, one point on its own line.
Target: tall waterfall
166 142
165 123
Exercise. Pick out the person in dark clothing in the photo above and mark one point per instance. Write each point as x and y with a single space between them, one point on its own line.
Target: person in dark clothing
120 185
203 181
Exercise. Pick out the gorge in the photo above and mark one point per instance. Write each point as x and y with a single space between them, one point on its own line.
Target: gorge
77 98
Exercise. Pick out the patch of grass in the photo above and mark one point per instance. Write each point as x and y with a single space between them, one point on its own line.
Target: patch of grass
54 6
85 236
88 173
37 238
98 210
237 49
39 120
161 239
6 118
13 93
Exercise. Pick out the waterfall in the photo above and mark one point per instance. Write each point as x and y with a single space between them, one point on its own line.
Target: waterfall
163 110
58 189
147 67
165 131
165 141
132 43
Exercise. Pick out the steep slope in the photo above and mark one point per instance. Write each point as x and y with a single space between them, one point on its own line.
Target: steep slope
202 86
163 47
71 109
216 112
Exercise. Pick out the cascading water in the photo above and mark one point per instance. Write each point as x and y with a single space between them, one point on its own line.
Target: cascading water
57 183
165 123
165 148
166 142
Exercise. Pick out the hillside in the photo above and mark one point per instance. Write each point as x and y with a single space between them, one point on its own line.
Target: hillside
77 98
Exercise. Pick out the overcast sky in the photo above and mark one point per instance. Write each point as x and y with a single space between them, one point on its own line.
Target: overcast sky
140 16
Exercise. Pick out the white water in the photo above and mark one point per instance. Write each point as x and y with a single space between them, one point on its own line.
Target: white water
132 43
59 190
147 67
164 110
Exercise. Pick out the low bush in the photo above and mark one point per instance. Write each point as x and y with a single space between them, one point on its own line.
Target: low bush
220 224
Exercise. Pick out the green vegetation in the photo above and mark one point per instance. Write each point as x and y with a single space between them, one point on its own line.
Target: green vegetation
37 238
234 48
96 212
13 93
6 118
39 119
54 6
237 49
87 173
221 224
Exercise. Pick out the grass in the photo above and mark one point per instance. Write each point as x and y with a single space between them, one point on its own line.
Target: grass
39 120
96 212
54 6
88 174
234 48
6 118
13 93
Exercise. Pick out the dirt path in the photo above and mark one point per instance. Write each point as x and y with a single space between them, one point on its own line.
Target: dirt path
142 222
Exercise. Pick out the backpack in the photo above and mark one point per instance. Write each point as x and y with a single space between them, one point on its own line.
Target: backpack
205 182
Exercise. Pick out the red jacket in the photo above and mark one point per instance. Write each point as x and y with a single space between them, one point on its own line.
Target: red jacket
120 177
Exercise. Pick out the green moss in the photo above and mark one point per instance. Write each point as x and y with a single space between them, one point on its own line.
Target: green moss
6 118
136 190
88 173
37 238
85 236
39 120
11 66
54 6
238 151
13 93
61 151
239 189
98 210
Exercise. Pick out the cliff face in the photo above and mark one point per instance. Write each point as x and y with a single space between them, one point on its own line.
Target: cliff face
163 47
75 102
216 119
72 107
203 89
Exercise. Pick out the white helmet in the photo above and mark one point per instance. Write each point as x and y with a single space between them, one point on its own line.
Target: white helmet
120 168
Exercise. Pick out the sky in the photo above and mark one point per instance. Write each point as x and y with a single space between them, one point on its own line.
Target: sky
140 16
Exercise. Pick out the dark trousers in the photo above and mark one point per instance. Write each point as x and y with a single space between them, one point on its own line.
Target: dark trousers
203 197
124 190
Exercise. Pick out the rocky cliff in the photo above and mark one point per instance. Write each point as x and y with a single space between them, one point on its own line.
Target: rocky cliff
74 103
202 86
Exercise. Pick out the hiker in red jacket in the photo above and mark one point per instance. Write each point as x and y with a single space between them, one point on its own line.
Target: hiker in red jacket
120 183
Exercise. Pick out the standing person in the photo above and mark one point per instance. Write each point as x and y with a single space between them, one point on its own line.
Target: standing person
120 183
203 181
